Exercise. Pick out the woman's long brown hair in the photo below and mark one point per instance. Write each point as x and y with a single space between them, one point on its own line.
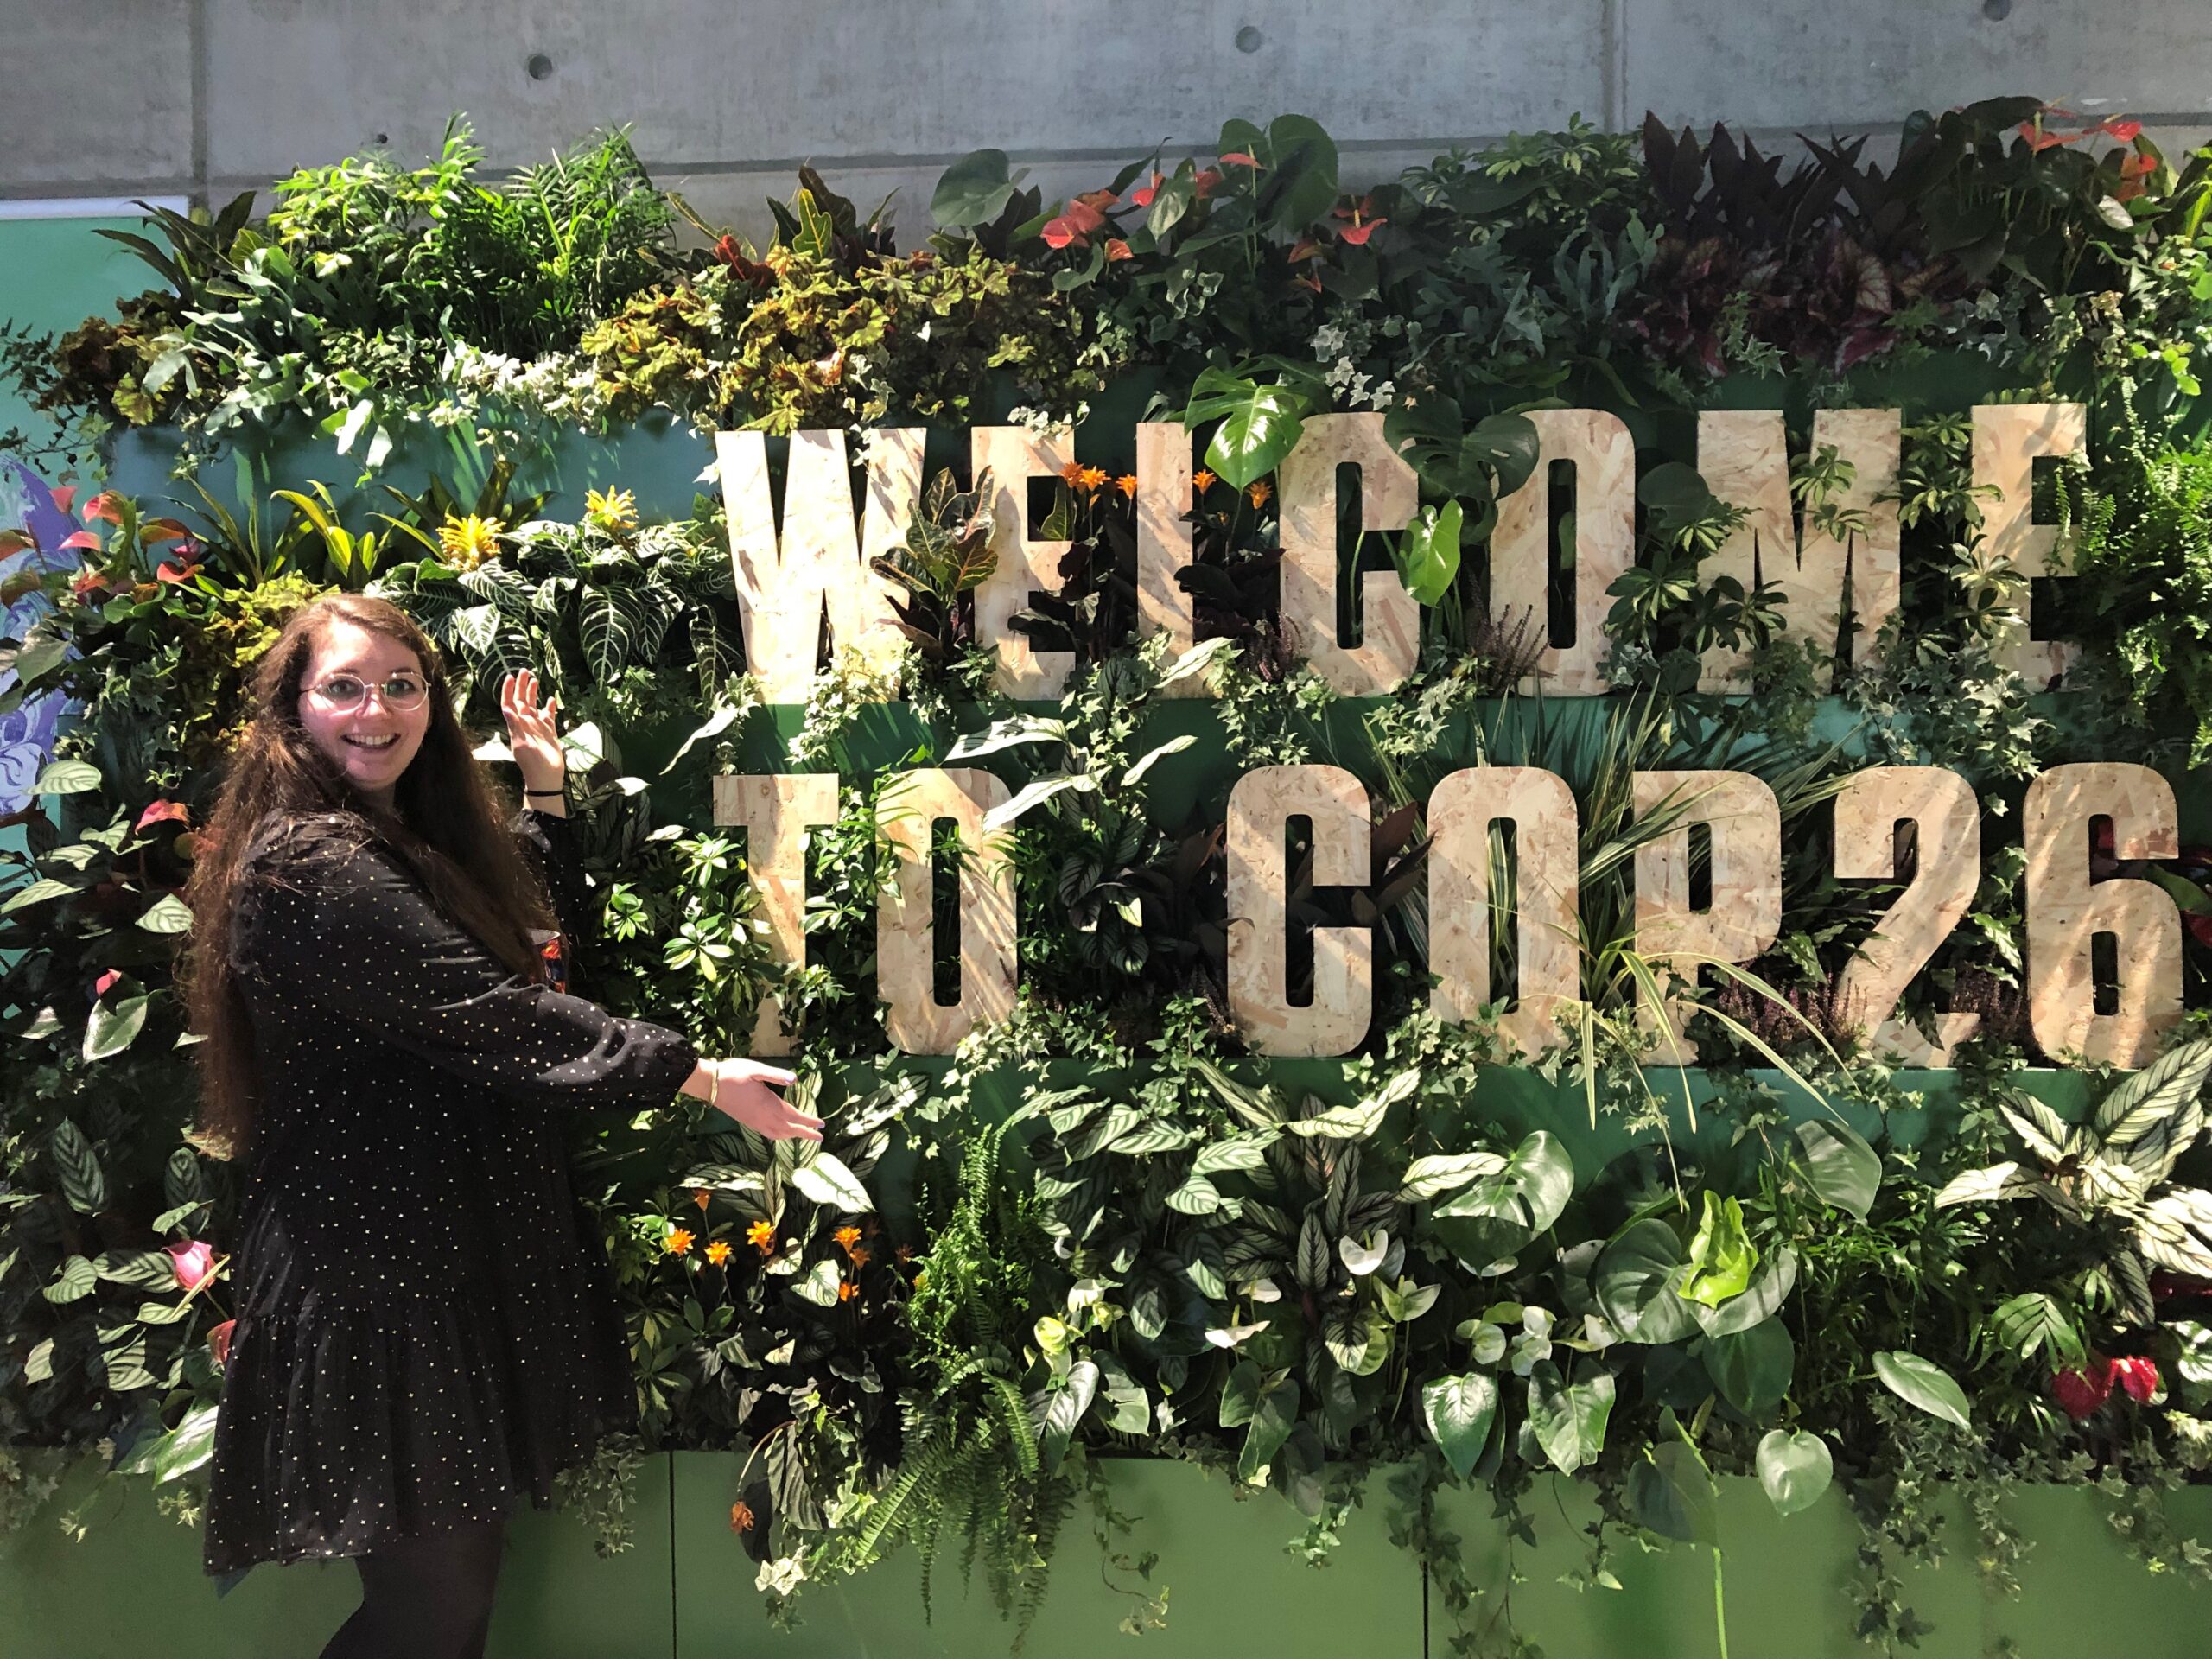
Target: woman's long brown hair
446 828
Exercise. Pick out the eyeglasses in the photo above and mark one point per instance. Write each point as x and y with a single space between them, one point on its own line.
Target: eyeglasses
343 693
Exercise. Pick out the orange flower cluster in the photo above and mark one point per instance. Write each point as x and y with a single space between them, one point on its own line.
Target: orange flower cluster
846 1290
761 1234
1203 481
718 1252
1260 492
741 1518
678 1241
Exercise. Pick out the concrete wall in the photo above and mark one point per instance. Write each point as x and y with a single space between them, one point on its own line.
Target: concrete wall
110 98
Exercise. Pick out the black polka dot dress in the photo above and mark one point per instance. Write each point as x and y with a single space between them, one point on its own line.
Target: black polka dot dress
427 1325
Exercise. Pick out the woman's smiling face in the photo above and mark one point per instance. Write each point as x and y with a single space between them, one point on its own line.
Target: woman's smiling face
364 737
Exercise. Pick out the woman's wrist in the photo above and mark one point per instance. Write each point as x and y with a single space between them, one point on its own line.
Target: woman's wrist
700 1085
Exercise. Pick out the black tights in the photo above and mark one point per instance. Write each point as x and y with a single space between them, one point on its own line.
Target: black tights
425 1598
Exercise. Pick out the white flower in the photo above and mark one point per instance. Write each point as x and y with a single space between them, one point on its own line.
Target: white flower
1265 1290
1489 1344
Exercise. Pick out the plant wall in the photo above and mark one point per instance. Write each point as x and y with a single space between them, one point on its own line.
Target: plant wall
1247 734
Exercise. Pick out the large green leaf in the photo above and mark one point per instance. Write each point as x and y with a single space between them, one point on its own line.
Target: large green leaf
825 1180
1437 1173
78 1168
2139 1102
1795 1469
1428 552
1532 1189
75 1280
1459 1411
1845 1171
1635 1280
1751 1368
1917 1382
141 1269
1129 1408
1056 1410
113 1026
67 778
974 190
1569 1421
1672 1494
1770 1289
1259 423
1275 1416
181 1451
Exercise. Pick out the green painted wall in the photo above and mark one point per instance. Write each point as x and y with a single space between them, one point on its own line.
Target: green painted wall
685 1590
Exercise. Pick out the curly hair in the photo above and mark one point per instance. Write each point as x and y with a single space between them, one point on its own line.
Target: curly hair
445 826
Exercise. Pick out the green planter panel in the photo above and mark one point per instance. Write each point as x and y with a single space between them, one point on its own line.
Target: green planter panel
133 1589
1232 1589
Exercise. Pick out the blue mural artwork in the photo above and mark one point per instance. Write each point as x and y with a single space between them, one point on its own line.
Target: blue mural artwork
26 734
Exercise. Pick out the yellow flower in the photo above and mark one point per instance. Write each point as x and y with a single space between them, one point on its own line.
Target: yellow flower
1091 479
847 1237
846 1290
761 1234
467 543
1126 484
1259 492
678 1241
718 1252
612 510
1202 480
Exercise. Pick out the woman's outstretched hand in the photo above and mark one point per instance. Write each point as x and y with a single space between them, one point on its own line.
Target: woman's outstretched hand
745 1091
533 731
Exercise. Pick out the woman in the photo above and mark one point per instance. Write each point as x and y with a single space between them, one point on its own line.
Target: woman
426 1327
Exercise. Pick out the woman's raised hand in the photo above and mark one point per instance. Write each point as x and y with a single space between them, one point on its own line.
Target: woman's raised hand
745 1091
533 731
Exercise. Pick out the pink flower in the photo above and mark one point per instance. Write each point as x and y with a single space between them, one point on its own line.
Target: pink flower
65 497
195 1263
105 982
106 504
161 812
1238 158
1142 196
218 1342
1085 214
2138 1378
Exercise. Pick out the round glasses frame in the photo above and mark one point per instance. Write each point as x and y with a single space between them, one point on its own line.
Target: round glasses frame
343 693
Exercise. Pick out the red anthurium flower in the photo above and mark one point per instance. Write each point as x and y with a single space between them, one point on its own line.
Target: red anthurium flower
106 504
2138 1378
105 982
1305 248
2043 138
87 583
170 572
1142 196
2126 131
1073 228
65 497
195 1263
219 1342
1357 234
86 539
1208 179
1238 158
1118 249
2083 1393
165 811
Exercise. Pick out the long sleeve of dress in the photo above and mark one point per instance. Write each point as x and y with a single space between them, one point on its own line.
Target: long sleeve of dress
552 840
337 921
